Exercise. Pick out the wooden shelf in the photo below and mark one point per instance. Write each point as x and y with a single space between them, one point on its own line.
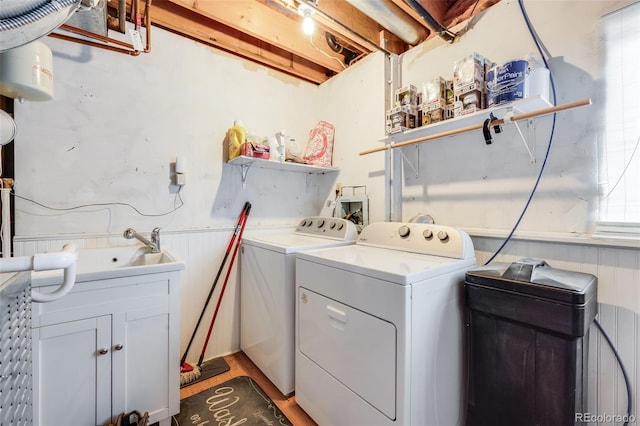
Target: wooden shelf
247 162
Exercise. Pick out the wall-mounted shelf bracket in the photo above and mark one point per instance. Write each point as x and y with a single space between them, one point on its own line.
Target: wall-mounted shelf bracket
244 169
415 165
508 119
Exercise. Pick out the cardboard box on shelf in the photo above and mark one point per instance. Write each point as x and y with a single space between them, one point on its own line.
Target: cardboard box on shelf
470 69
407 96
255 150
403 118
433 112
434 90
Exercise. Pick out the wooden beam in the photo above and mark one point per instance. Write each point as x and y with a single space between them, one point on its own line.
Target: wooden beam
263 23
462 10
195 26
436 8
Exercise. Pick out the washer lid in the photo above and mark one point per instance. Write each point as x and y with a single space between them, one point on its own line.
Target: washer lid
292 243
391 265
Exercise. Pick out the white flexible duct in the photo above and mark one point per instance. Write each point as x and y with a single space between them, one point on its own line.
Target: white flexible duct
23 21
65 259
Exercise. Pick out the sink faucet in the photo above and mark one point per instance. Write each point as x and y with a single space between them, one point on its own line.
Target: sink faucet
154 244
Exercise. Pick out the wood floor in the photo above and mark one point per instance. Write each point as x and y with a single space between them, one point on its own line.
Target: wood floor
241 365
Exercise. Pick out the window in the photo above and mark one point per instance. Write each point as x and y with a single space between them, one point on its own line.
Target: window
620 159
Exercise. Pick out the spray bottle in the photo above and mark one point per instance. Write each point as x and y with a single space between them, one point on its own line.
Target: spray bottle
237 136
280 148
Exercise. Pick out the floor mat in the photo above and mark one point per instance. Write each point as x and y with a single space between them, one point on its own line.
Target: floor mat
210 368
236 401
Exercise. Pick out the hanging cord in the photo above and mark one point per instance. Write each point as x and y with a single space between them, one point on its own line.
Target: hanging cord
624 372
63 209
553 128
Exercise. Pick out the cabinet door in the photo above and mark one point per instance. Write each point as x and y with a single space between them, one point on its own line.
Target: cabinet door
141 362
72 373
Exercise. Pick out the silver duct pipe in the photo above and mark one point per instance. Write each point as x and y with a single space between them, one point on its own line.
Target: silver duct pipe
27 21
391 17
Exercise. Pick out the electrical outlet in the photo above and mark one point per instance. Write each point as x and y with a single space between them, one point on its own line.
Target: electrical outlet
181 179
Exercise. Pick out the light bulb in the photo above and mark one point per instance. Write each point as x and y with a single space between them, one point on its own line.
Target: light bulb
307 24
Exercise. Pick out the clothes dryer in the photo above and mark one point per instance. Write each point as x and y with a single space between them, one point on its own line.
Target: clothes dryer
379 327
267 292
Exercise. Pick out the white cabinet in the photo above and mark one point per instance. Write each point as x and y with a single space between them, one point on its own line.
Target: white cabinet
109 346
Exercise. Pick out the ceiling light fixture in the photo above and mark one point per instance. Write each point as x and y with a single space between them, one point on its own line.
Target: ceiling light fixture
306 11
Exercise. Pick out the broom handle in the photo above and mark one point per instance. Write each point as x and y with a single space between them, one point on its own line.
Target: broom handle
245 211
226 280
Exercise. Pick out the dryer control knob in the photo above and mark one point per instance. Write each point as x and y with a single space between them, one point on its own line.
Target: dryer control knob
340 226
427 234
309 223
404 231
321 223
333 225
303 223
443 236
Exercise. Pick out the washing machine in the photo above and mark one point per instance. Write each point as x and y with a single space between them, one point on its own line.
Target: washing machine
267 292
379 327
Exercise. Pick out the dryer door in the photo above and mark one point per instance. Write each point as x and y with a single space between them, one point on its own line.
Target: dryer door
356 348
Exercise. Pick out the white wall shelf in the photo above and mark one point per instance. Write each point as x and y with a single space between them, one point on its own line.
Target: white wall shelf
512 112
247 162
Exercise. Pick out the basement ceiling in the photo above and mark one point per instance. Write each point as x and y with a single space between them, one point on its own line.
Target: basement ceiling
269 32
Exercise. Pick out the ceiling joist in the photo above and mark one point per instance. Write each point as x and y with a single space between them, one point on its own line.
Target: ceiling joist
269 32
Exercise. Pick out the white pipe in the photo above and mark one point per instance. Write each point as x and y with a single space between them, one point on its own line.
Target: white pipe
65 259
6 221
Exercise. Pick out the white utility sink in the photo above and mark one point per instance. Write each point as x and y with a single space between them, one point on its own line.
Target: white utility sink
113 262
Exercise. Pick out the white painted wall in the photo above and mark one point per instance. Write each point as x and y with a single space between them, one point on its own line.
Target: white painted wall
464 182
116 124
354 100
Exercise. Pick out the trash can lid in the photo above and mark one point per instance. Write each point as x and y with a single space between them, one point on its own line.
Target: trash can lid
536 278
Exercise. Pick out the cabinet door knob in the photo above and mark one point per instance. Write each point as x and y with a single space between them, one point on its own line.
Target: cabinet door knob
118 347
103 351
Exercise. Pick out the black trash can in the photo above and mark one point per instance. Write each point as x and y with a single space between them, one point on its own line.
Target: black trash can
528 343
